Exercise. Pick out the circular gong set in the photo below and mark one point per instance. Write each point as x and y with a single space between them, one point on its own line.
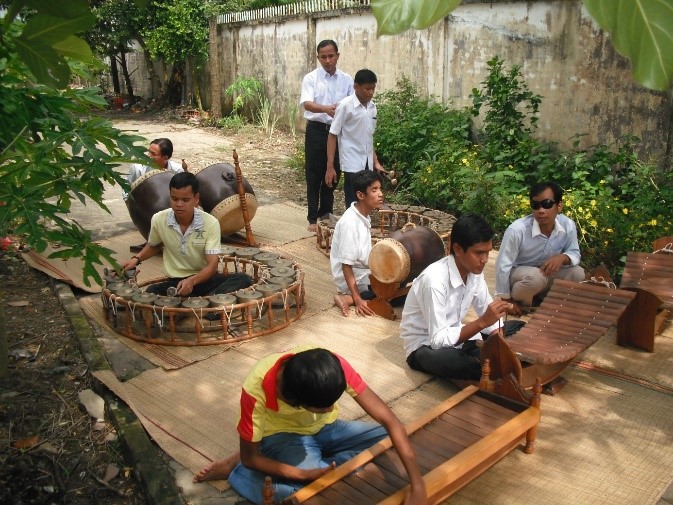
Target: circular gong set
275 300
390 219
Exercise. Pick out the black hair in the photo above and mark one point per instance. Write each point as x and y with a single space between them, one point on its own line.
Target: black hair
184 179
364 76
325 43
470 229
165 146
541 186
313 378
364 178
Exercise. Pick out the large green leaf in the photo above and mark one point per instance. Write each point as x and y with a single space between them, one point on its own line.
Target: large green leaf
50 29
396 16
642 31
62 8
75 48
47 65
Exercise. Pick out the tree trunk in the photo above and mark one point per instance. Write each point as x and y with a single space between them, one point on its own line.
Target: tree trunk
215 84
114 73
197 90
174 88
156 88
127 76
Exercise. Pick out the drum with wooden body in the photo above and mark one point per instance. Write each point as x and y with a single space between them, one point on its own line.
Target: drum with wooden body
149 195
405 254
219 196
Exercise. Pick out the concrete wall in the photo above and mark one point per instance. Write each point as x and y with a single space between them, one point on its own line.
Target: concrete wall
587 87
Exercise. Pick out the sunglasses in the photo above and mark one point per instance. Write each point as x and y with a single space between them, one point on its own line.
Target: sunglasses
545 204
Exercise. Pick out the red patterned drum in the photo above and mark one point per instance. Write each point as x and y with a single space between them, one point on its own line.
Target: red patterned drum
149 195
219 196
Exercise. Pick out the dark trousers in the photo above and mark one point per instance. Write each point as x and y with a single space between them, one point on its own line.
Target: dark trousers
218 284
448 362
319 197
451 363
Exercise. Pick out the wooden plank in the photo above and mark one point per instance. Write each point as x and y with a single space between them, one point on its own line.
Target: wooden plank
442 478
379 448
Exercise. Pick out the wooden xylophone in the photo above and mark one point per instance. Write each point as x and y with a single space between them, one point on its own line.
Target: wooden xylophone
572 317
650 277
454 442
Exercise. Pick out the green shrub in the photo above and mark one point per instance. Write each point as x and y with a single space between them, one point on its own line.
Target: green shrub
411 130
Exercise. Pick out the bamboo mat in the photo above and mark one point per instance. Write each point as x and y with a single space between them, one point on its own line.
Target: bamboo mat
601 441
280 223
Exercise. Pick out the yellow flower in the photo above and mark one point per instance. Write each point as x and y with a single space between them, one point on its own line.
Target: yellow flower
464 161
653 222
593 204
610 230
625 210
594 223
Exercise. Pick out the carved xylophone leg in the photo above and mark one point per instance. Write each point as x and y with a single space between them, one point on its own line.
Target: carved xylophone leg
531 434
384 293
637 326
267 491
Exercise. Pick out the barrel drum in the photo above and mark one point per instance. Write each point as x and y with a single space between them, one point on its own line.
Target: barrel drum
405 254
219 196
149 194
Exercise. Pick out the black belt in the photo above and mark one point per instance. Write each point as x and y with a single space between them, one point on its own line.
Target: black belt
318 124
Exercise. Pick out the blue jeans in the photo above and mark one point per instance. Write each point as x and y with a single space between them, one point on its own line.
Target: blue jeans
337 442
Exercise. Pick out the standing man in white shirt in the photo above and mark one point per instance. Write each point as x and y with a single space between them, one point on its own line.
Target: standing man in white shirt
537 249
321 91
352 131
435 339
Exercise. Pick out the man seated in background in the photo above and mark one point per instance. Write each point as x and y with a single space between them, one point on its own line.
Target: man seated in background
537 249
160 152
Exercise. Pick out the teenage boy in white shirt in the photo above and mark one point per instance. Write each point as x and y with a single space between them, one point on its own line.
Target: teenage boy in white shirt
352 243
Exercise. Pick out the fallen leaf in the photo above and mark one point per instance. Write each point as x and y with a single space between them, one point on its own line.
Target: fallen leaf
22 303
93 404
110 472
26 443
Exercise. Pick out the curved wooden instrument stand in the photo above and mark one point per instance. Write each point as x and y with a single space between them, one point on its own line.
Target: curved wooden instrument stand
572 317
249 237
650 277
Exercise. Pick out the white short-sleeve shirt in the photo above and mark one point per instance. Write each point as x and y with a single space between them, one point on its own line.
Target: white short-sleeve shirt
354 125
351 245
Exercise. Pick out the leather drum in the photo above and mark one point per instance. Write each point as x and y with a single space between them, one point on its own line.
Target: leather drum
149 195
405 254
219 196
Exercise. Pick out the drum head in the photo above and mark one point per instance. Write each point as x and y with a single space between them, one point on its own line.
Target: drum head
389 261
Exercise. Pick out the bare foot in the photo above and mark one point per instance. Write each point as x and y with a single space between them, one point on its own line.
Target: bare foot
218 470
313 228
344 303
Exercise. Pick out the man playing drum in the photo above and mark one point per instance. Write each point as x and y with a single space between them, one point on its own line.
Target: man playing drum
160 152
191 243
352 243
435 339
537 249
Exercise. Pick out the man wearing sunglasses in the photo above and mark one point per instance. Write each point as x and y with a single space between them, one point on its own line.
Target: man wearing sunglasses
537 249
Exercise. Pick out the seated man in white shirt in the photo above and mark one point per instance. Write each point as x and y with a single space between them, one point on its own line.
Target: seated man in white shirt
436 340
352 243
537 249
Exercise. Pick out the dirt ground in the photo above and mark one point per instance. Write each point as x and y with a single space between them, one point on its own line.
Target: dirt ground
52 449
